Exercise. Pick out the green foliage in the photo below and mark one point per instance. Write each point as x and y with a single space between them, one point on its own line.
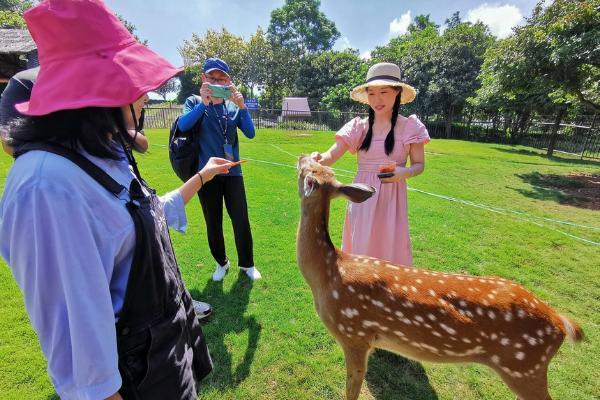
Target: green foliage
189 82
169 87
281 72
258 54
11 13
422 22
223 44
301 27
456 60
11 20
321 73
552 61
18 6
338 96
131 28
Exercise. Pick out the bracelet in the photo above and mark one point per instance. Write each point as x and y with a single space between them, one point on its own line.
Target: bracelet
201 180
135 135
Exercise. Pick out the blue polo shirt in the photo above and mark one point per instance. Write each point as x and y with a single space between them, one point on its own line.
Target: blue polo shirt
213 128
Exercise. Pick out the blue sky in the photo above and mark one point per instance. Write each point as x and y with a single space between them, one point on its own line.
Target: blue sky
362 24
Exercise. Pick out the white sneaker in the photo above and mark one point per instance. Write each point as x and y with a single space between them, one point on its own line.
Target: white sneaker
220 272
252 273
203 310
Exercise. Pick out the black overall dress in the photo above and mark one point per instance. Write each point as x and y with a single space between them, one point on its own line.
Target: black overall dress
162 350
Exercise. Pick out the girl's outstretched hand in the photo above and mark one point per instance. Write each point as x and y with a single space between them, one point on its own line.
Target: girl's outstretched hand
215 166
316 156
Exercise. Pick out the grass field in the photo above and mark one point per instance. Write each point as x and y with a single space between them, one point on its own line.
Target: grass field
498 216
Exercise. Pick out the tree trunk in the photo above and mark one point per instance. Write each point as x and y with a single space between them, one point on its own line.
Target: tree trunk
448 122
520 125
554 133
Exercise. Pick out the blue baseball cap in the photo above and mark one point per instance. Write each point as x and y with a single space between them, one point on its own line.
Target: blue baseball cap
216 64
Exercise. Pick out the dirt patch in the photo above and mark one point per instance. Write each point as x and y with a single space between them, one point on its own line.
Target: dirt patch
579 190
584 189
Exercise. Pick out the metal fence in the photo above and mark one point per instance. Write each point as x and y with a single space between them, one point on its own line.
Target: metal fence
580 137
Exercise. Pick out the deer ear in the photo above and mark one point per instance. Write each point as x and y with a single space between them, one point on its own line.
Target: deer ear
357 192
310 184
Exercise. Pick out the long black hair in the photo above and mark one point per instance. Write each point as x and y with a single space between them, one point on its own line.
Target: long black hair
389 139
90 128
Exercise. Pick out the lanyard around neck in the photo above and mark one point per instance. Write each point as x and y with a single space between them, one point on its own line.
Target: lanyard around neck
222 126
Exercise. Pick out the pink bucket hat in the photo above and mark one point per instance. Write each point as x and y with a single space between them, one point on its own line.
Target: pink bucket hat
88 59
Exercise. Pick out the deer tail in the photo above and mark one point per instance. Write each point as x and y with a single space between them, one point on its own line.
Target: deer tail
571 329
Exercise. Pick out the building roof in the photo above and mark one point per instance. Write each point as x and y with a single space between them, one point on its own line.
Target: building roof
16 41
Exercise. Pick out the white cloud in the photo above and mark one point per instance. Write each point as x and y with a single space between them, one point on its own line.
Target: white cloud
365 55
500 18
342 43
399 26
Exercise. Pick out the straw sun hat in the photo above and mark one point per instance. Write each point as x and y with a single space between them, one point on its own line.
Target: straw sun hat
383 74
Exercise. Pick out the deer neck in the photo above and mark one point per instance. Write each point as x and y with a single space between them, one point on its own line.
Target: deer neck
315 251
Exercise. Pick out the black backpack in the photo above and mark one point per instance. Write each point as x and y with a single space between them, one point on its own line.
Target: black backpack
184 150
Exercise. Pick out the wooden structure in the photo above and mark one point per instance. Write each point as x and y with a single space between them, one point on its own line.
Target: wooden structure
17 52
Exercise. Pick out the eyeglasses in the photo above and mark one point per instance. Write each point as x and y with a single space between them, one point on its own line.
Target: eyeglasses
220 81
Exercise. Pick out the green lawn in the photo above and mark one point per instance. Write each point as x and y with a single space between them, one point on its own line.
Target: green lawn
266 339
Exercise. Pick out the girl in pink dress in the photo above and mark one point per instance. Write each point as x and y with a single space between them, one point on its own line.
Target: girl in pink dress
379 226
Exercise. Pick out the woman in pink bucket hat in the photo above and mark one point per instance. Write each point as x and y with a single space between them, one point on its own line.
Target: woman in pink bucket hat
85 236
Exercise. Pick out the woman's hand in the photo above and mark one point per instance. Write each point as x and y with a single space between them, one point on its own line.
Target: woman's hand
215 166
400 174
205 93
236 97
316 156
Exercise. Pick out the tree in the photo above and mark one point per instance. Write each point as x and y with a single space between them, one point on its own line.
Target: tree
299 26
11 20
281 73
15 5
421 22
223 44
258 53
549 65
169 87
338 98
11 13
454 20
456 61
563 38
189 82
412 52
131 28
320 72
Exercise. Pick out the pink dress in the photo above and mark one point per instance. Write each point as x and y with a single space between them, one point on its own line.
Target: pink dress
378 227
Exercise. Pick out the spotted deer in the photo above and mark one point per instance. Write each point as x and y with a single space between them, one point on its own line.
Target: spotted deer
422 314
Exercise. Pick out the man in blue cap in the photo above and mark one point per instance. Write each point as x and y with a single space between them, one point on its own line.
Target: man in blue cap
219 111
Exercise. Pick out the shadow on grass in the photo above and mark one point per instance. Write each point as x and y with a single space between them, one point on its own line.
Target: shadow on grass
228 318
543 156
391 376
53 397
576 190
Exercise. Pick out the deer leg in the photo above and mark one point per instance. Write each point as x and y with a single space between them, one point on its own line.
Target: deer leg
528 388
356 368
